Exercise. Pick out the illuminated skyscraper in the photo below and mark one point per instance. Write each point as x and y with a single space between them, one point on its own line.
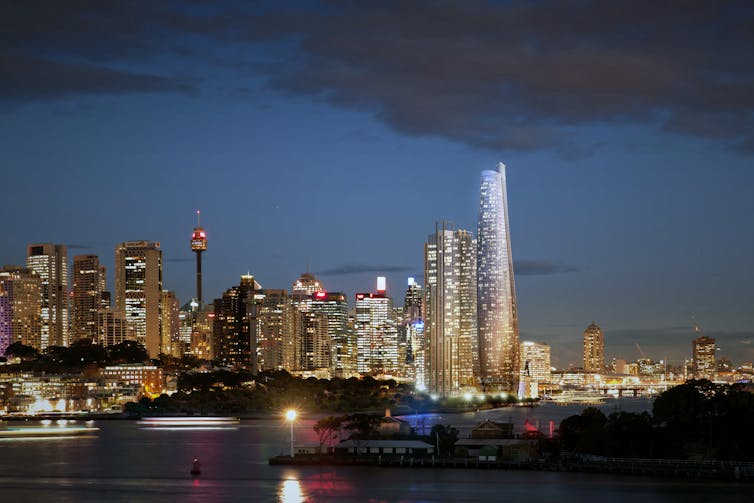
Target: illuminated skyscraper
20 307
334 306
594 349
376 334
50 261
138 291
275 322
198 245
89 288
413 327
703 363
171 322
450 310
231 333
496 293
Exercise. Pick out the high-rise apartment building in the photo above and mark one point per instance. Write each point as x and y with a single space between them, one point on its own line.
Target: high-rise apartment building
334 306
275 315
413 329
594 349
376 334
89 297
450 310
20 307
496 294
171 322
50 261
138 291
703 362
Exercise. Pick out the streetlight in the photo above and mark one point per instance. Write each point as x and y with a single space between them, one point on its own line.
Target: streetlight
290 416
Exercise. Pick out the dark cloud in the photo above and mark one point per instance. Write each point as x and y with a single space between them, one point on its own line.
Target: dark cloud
500 75
361 268
541 268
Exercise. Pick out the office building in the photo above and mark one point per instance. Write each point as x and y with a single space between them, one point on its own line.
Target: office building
89 297
50 261
376 334
138 291
703 361
232 344
171 323
20 307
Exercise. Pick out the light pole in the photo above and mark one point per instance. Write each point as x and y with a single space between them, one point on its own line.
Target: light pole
290 416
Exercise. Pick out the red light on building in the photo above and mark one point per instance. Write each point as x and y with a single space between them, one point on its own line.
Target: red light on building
359 296
320 294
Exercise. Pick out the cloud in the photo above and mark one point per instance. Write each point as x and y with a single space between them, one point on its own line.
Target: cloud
361 268
497 75
541 268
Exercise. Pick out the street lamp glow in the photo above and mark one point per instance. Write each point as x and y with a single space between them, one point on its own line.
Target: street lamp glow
290 416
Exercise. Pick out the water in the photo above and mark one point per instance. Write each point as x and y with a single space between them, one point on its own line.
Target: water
127 463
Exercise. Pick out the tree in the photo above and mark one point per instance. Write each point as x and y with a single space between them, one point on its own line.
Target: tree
128 352
445 438
584 432
327 427
22 351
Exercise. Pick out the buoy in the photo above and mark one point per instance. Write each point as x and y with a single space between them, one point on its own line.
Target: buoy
196 467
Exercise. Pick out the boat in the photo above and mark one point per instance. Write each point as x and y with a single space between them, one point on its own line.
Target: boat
47 432
188 421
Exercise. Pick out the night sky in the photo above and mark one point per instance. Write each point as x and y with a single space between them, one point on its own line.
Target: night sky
335 134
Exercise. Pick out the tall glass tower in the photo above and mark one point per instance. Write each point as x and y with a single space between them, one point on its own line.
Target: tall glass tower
497 319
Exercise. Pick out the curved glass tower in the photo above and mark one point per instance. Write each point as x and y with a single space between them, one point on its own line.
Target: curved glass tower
497 320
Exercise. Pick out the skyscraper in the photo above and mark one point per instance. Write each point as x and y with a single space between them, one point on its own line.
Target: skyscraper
20 307
594 349
170 310
231 332
413 332
496 294
138 291
703 362
334 306
376 334
88 292
535 368
50 261
450 319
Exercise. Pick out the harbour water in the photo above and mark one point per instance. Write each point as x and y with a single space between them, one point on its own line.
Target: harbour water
128 462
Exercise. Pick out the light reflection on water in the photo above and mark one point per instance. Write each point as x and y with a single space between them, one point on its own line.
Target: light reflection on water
290 491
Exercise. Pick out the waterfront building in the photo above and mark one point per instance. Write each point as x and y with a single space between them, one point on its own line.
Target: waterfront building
376 334
231 327
450 310
20 307
50 261
89 296
703 362
496 294
148 377
535 361
138 291
594 349
170 310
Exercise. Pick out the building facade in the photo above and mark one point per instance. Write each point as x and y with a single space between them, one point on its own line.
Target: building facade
703 361
138 291
496 294
89 287
594 349
50 261
376 334
452 355
20 307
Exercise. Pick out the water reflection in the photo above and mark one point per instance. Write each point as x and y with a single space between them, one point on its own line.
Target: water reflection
290 491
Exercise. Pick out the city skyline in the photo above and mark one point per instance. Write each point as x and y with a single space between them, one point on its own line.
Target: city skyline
335 151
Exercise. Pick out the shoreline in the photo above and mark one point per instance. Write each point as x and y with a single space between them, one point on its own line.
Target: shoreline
738 471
